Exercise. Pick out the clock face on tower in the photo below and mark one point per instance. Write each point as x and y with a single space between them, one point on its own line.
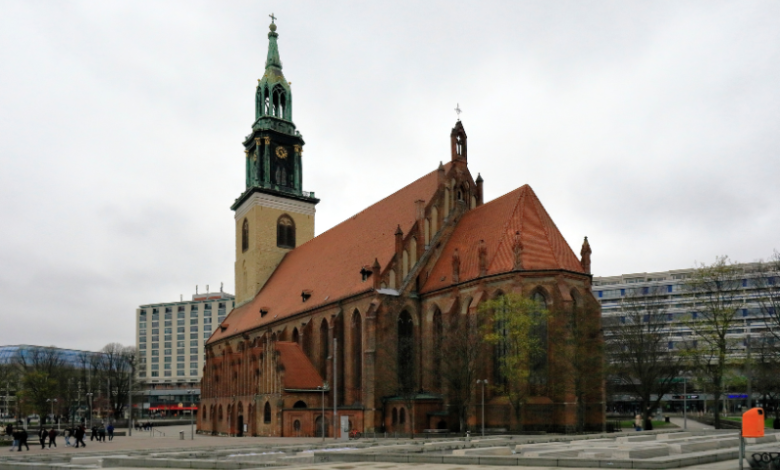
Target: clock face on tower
281 152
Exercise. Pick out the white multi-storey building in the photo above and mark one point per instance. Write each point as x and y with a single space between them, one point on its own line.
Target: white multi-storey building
680 304
170 339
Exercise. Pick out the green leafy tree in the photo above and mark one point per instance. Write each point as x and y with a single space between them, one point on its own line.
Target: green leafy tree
511 324
717 291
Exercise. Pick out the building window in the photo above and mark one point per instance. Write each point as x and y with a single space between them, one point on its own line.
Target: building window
206 321
155 366
180 329
155 374
194 358
405 350
267 413
169 323
180 351
245 235
193 321
180 373
155 360
167 352
194 328
195 335
155 352
167 373
180 366
179 322
167 331
168 345
285 232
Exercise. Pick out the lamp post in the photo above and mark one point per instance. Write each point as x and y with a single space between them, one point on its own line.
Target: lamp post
322 388
52 401
89 400
191 394
483 383
685 403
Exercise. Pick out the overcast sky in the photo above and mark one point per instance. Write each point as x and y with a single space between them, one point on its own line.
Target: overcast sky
649 126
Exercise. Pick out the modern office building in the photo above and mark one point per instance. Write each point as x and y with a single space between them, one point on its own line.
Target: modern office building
680 307
170 338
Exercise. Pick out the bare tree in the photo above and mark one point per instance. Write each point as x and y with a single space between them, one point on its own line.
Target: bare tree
582 357
458 357
765 362
717 290
113 368
768 283
638 352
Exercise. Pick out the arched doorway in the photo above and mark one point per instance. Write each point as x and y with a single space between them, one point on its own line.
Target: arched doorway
318 427
240 420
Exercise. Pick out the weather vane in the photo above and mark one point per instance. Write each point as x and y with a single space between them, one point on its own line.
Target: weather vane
458 111
273 18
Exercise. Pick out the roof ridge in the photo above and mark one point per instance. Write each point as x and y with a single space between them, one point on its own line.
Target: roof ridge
547 222
352 217
508 223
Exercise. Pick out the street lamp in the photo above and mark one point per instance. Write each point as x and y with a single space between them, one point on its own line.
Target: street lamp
191 393
53 401
483 383
323 388
89 400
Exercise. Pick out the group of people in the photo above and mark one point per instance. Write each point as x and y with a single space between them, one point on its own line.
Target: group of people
20 436
147 426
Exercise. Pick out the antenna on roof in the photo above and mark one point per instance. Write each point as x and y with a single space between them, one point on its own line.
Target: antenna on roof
207 288
220 286
181 297
196 290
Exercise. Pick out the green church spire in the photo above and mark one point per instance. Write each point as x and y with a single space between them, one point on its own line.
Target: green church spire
273 59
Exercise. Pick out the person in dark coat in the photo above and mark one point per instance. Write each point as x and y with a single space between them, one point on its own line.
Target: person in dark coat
23 440
94 434
80 436
52 437
42 434
110 430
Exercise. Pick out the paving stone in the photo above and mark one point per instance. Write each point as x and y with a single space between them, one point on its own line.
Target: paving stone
483 451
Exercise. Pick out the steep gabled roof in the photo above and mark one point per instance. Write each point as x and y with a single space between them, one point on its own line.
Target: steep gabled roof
299 372
329 265
496 223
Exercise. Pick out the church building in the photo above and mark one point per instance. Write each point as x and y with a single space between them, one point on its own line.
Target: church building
359 312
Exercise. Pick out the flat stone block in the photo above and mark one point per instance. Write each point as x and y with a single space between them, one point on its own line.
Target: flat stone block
636 438
673 435
484 451
498 460
426 458
578 463
692 447
460 460
400 458
761 440
642 453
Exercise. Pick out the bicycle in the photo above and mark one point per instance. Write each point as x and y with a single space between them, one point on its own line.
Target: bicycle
354 434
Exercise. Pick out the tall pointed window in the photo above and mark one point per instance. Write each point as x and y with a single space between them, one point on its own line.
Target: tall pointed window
267 413
538 373
405 352
285 232
245 235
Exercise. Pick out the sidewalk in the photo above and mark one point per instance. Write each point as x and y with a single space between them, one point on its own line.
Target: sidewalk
692 425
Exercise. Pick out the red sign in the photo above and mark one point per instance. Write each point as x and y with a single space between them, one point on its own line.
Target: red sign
172 408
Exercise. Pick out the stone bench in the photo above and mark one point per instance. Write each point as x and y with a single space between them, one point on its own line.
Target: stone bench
483 451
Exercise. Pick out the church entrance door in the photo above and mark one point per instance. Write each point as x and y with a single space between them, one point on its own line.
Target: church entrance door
240 426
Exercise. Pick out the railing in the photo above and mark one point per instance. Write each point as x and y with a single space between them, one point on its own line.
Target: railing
152 432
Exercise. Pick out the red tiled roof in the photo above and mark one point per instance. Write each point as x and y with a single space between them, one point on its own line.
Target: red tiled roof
299 372
329 265
496 223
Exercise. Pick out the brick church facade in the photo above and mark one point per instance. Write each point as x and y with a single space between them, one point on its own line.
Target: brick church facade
331 311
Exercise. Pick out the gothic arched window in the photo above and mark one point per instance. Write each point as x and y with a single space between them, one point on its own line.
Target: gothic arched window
245 235
405 351
285 232
267 413
538 375
357 350
438 336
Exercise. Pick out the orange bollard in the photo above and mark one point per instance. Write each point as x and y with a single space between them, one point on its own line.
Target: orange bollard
753 423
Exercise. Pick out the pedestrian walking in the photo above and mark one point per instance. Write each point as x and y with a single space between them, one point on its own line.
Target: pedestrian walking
23 440
93 435
15 443
52 437
638 422
102 433
80 436
42 434
110 430
67 434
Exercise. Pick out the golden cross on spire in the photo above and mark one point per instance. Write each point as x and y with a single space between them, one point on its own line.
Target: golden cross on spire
273 18
458 111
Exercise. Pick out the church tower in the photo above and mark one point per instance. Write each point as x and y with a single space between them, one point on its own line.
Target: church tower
273 215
